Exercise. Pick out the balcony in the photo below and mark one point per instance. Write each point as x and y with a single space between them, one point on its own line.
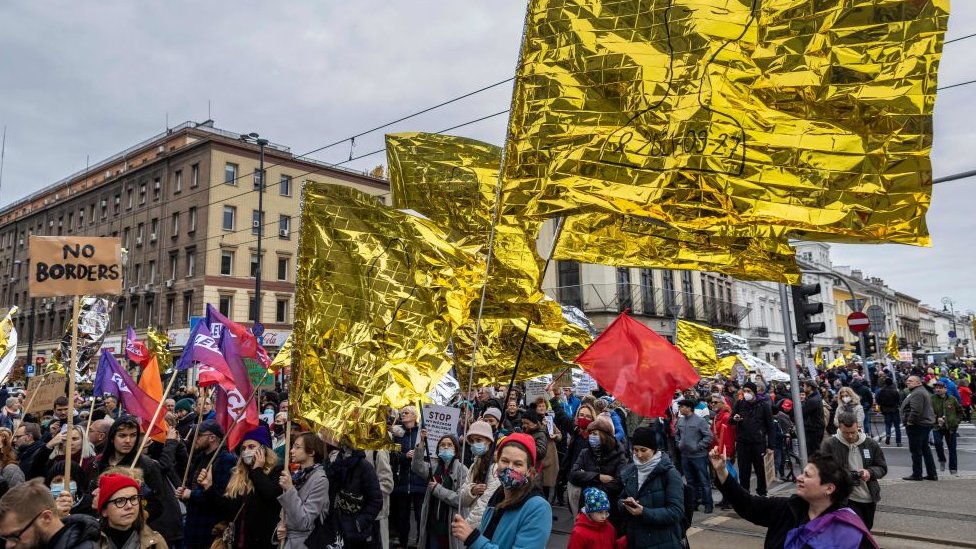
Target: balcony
760 333
644 301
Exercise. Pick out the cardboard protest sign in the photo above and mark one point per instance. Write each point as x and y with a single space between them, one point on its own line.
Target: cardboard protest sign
535 388
439 421
67 265
584 384
42 391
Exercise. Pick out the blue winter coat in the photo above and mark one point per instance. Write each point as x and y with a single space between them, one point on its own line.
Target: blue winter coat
662 496
527 526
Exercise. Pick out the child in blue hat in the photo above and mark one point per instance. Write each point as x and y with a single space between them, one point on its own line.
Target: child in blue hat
593 530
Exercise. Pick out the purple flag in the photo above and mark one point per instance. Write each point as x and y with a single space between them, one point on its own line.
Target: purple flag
111 378
232 414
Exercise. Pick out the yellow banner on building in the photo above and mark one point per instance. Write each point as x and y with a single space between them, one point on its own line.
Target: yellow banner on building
731 117
379 292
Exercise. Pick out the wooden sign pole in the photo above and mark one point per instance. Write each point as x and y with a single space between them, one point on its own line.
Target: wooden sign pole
71 368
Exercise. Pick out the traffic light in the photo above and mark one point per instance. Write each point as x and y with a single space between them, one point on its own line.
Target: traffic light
872 345
803 309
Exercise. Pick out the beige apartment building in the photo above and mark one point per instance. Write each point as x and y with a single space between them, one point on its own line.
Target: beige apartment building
185 205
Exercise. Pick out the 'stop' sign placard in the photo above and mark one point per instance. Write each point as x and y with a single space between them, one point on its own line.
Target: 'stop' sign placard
65 265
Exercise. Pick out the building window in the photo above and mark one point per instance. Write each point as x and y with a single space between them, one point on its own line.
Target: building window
284 185
142 193
283 268
125 237
670 298
568 281
154 229
104 209
624 298
150 302
135 312
252 306
193 220
257 221
152 271
140 233
121 317
230 173
137 280
129 195
648 301
173 264
71 220
191 263
257 179
177 181
157 188
170 310
281 311
284 226
688 294
187 306
224 304
194 175
176 225
255 265
230 215
81 218
227 263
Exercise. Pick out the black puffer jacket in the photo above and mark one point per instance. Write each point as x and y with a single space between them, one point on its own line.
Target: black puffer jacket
813 417
889 399
79 532
350 473
590 465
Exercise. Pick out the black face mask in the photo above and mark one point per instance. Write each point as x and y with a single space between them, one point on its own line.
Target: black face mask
278 429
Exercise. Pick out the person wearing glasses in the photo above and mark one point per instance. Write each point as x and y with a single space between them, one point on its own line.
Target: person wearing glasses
120 515
29 519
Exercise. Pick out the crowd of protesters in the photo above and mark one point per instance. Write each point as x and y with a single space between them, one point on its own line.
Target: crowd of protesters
629 481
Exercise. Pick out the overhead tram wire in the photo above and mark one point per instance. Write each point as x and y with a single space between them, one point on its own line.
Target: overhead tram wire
961 38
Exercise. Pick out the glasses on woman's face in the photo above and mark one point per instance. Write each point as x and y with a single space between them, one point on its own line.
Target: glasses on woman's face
14 538
122 502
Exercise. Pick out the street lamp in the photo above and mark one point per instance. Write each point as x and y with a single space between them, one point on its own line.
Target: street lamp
261 143
948 306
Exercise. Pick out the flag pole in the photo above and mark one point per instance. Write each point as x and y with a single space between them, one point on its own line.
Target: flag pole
250 399
72 365
91 410
193 443
159 407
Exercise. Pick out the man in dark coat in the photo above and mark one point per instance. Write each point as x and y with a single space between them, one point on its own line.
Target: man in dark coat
202 513
29 515
754 436
813 414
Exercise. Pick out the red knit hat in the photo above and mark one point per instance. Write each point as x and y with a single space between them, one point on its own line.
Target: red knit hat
521 438
111 483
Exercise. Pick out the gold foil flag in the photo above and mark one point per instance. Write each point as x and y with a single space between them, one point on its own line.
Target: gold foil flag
283 358
158 343
379 292
6 328
818 357
732 117
453 181
698 345
892 346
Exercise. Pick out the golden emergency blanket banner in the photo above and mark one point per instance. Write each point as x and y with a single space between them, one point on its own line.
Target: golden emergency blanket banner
379 292
697 343
731 116
453 181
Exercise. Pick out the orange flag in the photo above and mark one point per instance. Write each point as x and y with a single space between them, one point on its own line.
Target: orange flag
637 366
151 383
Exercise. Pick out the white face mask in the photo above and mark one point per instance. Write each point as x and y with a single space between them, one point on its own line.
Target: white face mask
748 396
846 400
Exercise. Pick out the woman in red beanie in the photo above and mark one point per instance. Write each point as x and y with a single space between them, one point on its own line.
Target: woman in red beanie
122 521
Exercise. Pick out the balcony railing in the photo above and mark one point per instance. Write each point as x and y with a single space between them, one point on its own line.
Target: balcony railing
641 300
760 332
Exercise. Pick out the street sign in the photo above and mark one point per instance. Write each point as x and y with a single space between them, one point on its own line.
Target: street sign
876 314
29 370
40 361
858 322
952 334
856 304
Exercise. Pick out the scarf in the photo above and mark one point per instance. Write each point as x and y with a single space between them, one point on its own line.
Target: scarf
439 518
840 529
644 469
300 477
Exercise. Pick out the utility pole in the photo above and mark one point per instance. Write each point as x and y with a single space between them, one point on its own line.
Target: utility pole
261 143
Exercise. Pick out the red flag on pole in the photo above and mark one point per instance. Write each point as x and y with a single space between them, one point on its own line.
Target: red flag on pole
637 366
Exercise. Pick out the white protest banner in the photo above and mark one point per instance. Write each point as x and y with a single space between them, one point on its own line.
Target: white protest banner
439 421
584 384
535 388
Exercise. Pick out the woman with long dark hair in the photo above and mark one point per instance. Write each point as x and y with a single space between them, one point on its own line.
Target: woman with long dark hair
445 474
518 515
481 482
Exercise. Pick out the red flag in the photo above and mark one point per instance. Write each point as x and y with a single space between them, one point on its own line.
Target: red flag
637 366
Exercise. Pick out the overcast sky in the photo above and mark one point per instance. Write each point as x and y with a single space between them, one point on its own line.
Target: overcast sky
89 81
